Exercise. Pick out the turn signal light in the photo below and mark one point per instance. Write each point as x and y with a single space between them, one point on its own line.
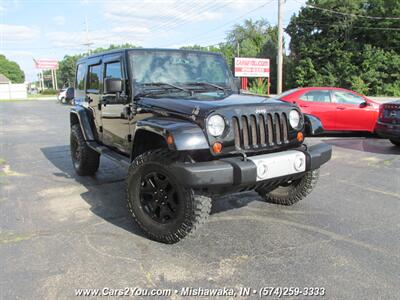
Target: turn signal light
217 147
300 136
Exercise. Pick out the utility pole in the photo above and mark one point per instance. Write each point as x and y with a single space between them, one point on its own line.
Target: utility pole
280 46
88 43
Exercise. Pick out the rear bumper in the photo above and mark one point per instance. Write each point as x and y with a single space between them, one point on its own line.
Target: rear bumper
388 131
235 171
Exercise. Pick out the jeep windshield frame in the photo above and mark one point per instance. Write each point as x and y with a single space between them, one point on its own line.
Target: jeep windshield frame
189 70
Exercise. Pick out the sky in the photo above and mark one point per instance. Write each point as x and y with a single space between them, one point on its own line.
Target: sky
51 29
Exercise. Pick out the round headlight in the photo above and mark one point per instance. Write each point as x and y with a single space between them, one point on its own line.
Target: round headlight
216 125
294 118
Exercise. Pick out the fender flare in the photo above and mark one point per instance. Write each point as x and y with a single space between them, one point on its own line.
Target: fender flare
313 125
85 121
186 135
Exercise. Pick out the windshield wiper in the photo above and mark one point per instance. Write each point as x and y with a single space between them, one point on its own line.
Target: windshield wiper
203 83
163 85
160 84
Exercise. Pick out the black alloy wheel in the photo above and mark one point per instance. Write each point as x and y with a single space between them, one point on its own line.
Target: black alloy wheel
163 208
159 197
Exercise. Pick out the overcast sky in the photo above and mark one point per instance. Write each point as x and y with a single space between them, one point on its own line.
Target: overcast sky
50 29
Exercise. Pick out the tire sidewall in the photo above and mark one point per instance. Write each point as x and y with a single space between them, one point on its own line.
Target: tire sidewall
75 139
151 226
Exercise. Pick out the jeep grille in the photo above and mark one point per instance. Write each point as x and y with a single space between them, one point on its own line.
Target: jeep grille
260 131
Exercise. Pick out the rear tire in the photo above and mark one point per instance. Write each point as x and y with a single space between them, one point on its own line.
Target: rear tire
86 161
395 142
165 210
289 194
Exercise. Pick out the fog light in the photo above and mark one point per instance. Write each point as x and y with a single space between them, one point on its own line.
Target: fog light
217 147
299 163
300 136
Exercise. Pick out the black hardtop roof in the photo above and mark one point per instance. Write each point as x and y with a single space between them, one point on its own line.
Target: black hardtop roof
142 49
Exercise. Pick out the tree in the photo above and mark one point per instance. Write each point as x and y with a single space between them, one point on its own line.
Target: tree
331 44
255 39
67 66
11 70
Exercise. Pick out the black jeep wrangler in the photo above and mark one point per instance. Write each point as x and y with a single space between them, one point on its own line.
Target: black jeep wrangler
178 120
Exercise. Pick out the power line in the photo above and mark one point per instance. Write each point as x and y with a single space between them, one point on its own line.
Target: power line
225 24
321 24
349 14
195 11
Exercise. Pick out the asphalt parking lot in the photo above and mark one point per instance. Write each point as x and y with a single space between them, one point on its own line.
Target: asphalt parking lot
60 232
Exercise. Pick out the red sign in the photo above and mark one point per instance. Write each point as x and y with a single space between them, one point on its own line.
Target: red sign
251 67
46 64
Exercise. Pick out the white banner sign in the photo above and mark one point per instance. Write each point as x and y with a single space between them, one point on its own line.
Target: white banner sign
251 67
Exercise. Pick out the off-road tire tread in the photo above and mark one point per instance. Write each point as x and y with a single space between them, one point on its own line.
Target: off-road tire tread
90 159
296 193
201 205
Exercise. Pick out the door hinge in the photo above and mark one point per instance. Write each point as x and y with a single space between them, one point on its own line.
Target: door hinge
101 128
129 137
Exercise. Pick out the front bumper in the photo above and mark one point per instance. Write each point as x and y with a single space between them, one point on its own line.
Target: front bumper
235 171
387 130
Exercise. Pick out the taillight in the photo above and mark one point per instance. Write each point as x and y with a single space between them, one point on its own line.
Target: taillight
381 110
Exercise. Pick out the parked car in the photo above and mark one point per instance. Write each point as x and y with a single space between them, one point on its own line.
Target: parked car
177 119
339 110
388 125
66 95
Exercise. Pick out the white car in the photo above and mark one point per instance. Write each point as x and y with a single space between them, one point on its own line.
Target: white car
65 95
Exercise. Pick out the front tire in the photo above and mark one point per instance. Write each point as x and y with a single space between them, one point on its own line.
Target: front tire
86 161
395 142
291 192
164 209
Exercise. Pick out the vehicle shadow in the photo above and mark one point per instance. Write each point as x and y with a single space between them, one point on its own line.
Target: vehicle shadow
364 144
105 191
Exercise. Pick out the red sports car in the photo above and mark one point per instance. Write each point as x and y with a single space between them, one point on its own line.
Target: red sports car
338 109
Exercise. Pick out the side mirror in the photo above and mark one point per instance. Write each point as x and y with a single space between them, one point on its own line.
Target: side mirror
112 85
363 104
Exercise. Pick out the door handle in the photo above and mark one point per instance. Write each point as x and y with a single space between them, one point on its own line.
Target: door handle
340 108
303 105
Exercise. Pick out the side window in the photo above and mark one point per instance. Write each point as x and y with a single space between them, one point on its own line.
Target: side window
344 97
80 77
113 70
94 77
317 96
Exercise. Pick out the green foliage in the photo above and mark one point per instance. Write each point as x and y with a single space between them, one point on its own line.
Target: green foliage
259 86
66 70
255 38
49 92
67 66
329 49
11 70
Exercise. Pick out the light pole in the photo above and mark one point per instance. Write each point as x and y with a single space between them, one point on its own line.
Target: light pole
280 47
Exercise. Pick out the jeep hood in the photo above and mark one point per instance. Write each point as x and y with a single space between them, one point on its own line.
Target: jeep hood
201 108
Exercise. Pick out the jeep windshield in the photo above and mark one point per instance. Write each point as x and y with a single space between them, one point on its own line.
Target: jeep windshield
180 73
